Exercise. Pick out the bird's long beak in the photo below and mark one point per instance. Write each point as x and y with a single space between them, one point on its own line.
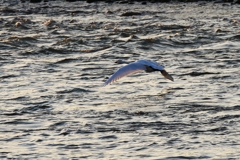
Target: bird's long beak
166 75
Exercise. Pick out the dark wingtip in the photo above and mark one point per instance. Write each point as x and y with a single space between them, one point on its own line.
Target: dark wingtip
167 75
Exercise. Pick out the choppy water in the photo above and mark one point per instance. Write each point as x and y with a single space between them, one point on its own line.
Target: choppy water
55 57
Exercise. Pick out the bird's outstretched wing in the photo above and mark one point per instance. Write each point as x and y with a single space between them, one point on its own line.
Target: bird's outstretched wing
124 71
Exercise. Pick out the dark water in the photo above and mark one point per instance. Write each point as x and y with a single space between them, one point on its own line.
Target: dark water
55 57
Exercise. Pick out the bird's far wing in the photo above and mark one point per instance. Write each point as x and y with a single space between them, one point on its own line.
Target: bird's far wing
167 75
153 64
124 71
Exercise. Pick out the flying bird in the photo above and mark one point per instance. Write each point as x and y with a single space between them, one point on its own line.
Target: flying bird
138 66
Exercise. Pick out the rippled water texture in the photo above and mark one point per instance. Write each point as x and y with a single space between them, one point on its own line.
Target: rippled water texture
55 57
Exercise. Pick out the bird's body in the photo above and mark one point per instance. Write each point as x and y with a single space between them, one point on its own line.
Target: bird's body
138 66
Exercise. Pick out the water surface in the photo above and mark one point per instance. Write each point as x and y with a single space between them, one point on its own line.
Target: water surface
55 57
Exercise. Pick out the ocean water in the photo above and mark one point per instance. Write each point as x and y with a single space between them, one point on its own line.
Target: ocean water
55 57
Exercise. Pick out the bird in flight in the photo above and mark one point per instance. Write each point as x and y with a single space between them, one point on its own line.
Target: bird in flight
138 66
